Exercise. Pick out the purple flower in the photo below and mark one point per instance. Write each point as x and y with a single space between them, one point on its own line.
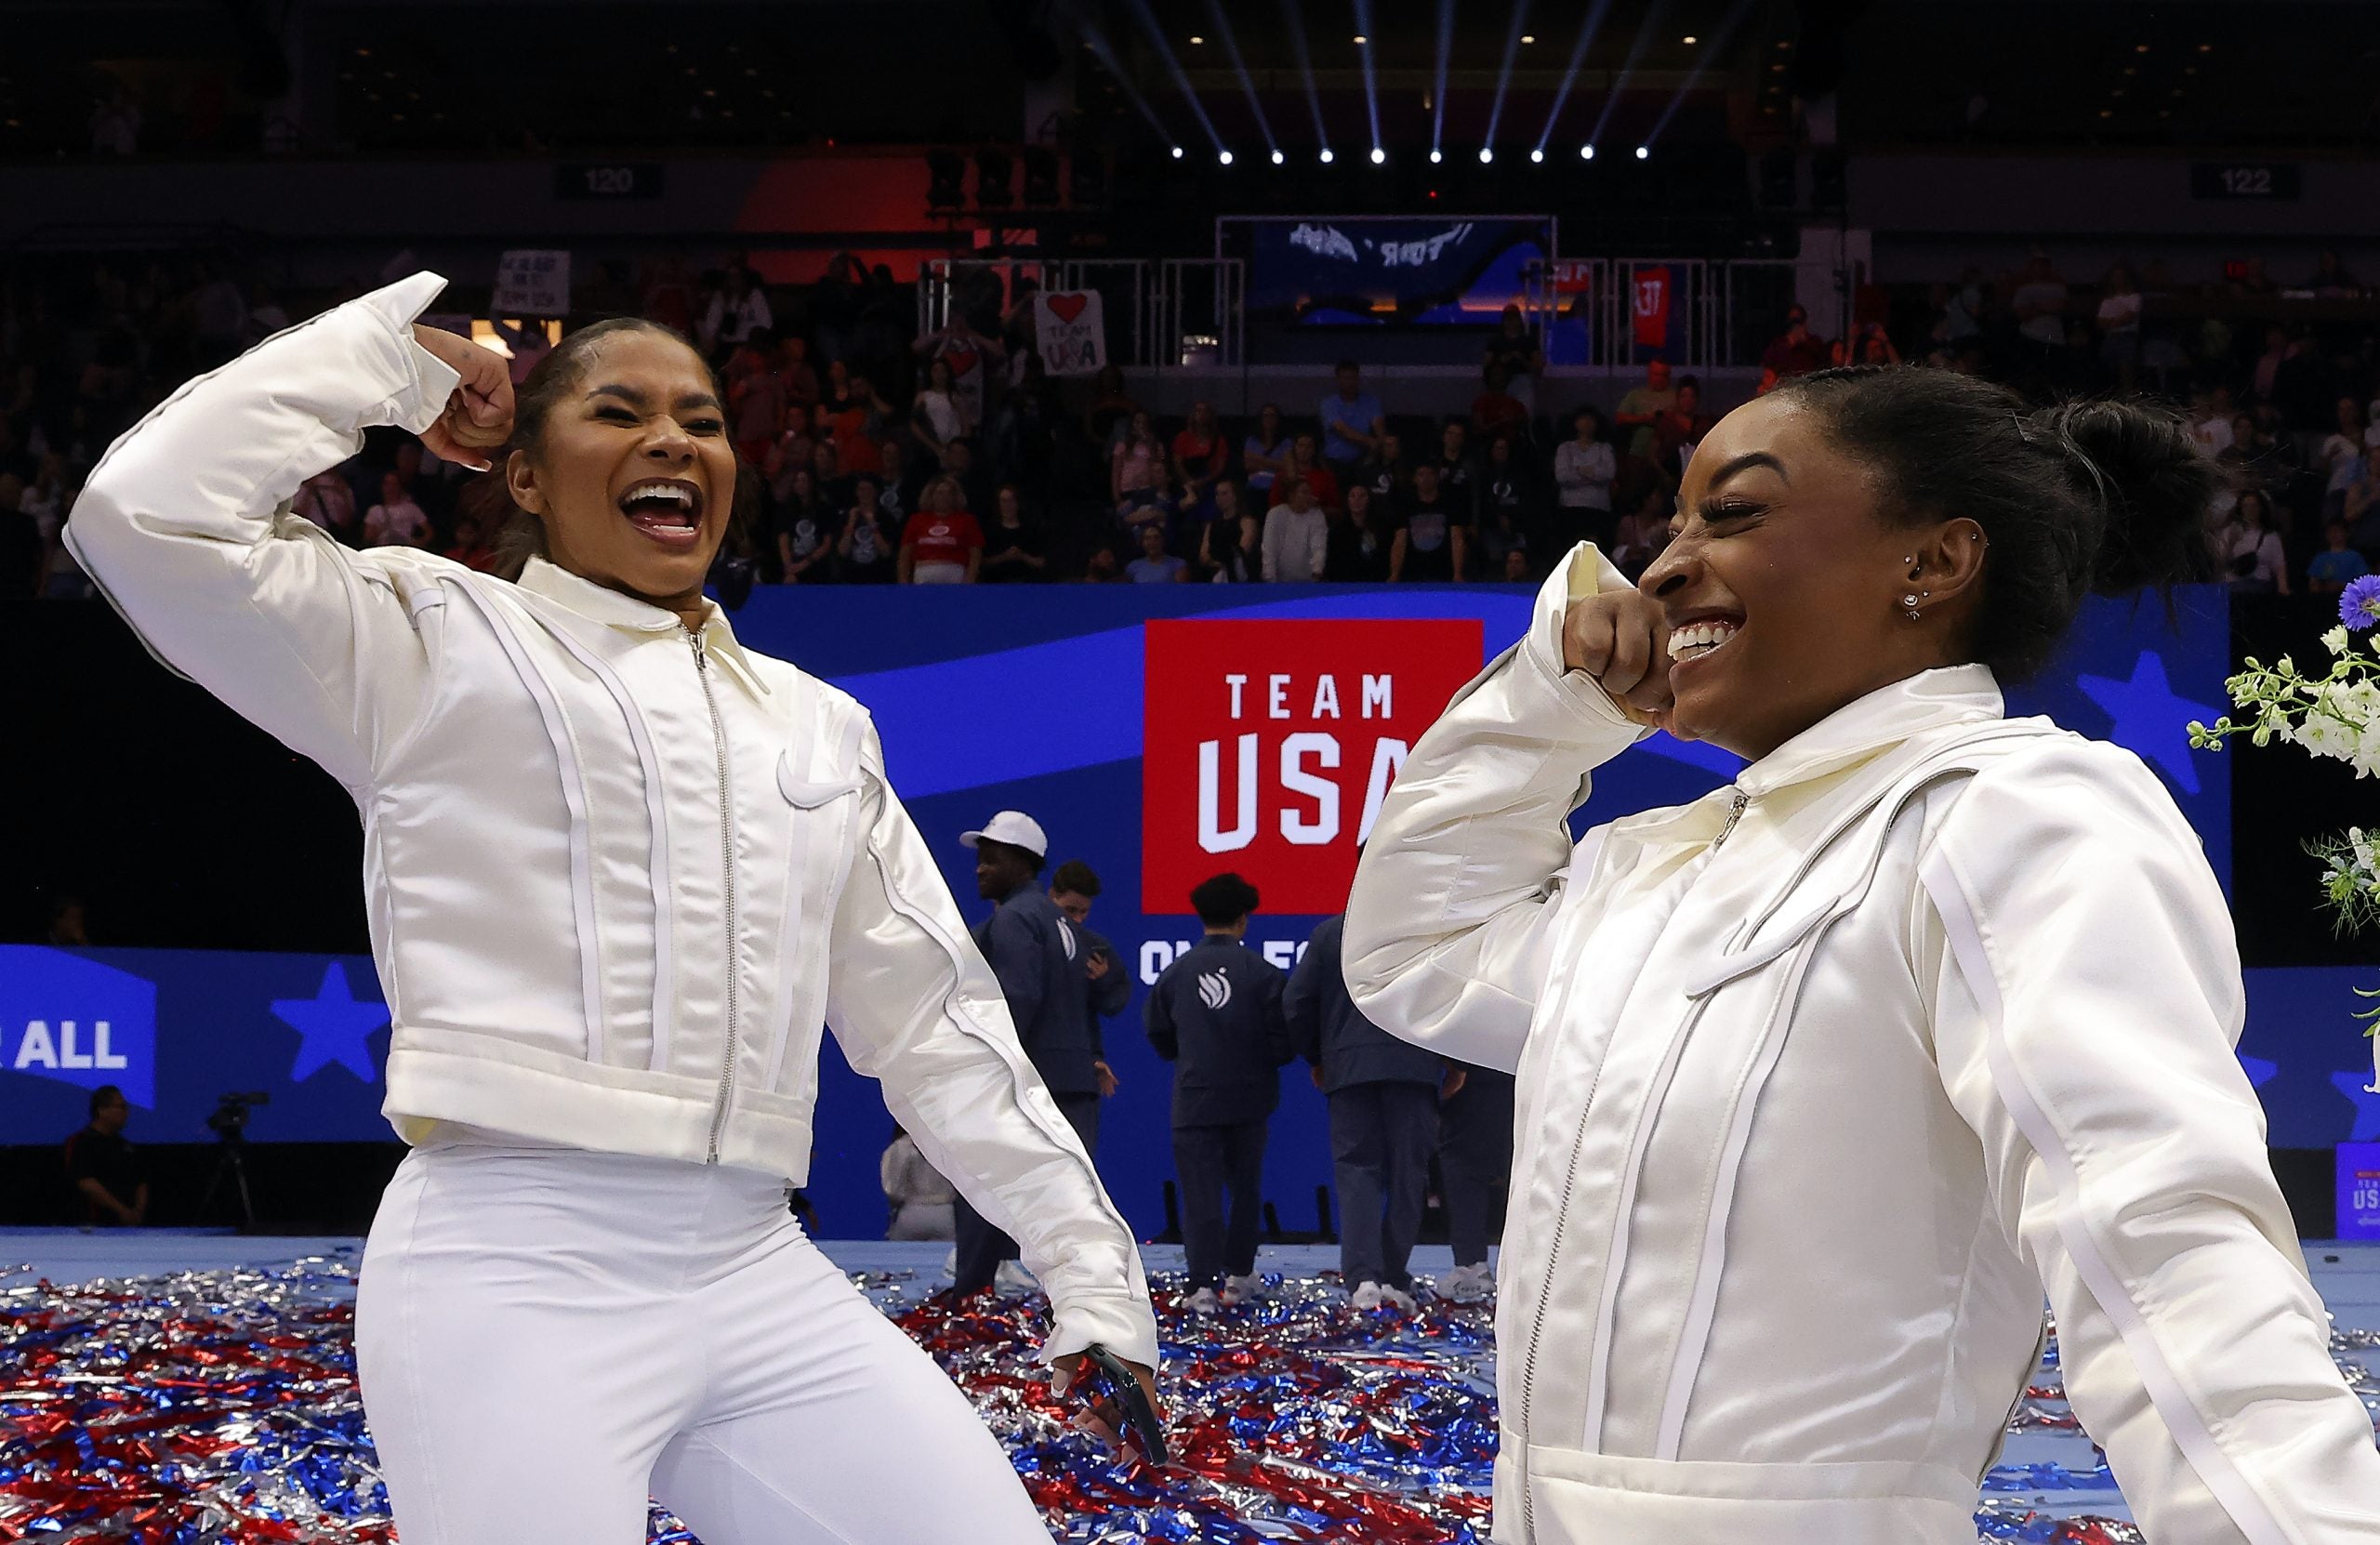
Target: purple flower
2359 604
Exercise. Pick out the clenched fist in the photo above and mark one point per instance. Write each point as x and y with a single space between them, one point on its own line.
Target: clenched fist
477 418
1622 638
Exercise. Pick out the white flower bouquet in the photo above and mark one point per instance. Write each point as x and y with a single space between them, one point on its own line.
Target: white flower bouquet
2337 715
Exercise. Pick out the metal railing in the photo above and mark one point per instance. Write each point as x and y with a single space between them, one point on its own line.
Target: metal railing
1708 312
1161 314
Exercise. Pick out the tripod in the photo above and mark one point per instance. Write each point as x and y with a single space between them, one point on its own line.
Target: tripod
232 1162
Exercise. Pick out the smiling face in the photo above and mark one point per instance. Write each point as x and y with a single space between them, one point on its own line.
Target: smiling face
632 474
1783 589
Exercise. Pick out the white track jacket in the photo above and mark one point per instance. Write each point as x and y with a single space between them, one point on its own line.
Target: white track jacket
1823 1078
620 872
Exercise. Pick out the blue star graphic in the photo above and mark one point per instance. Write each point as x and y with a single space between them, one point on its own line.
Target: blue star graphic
2149 720
2367 1105
2259 1070
334 1026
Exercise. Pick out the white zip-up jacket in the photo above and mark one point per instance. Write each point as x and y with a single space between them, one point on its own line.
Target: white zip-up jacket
619 872
1823 1078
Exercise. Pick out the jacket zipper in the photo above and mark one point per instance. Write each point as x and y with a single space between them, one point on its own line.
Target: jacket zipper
727 873
1554 1251
1735 813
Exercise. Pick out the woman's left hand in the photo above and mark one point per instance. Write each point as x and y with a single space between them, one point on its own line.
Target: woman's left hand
1069 1368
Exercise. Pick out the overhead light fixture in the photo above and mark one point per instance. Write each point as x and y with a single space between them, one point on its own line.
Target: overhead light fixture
1325 155
1361 40
1691 40
1486 155
1586 153
1196 41
1380 157
2107 112
1177 152
1436 155
2206 47
2140 47
1278 158
1644 153
1528 37
1223 156
1537 156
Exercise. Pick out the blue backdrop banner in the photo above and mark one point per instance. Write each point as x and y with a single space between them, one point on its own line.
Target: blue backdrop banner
1160 734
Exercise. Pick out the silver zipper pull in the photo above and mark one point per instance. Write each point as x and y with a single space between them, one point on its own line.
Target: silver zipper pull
1735 813
695 640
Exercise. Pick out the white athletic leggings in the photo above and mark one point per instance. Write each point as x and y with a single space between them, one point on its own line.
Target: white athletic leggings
546 1336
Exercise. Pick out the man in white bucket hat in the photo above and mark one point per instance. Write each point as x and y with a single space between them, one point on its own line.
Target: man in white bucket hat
1038 958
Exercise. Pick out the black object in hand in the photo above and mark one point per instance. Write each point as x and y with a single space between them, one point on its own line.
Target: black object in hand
1118 1399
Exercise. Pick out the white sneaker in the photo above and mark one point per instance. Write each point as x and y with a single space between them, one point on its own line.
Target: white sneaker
1368 1297
1203 1301
1243 1289
1396 1298
1012 1277
1473 1284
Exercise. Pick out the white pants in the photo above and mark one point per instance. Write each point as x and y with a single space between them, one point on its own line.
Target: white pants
544 1336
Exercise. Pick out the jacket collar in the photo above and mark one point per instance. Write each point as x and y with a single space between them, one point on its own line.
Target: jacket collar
1909 707
599 603
1868 728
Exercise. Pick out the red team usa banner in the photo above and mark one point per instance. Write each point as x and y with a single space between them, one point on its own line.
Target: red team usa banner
1269 746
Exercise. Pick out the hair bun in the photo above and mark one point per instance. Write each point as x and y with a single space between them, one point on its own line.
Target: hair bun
2154 485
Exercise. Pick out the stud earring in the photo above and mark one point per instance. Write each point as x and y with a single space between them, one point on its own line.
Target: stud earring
1909 603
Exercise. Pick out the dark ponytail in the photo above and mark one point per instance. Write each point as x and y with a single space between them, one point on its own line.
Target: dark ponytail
519 535
2077 499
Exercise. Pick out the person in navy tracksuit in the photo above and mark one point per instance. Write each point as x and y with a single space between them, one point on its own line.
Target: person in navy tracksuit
1038 958
1216 1015
1383 1095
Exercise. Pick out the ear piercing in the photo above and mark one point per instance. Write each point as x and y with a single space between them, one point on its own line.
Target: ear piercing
1909 603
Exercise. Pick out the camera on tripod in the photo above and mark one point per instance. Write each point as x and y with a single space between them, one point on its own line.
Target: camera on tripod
229 1121
230 1125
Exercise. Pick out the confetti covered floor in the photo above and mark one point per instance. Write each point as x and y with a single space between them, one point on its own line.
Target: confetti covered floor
194 1387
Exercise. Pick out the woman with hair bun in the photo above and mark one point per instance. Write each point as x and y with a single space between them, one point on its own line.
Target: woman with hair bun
1826 1077
619 871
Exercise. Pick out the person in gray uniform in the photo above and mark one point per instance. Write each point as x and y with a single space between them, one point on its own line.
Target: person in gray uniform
1038 957
1216 1015
1383 1095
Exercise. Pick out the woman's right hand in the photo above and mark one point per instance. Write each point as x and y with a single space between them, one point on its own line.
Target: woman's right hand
477 418
1622 638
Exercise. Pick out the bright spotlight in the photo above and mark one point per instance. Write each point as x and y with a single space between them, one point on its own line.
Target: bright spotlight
1486 155
1326 157
1436 156
1537 156
1380 157
1225 156
1278 158
1691 40
1194 41
1177 152
1586 153
1644 153
1361 40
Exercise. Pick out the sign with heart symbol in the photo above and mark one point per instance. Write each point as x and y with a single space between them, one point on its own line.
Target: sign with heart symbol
1070 328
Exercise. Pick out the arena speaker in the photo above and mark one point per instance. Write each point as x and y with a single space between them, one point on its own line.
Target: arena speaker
995 180
945 181
1040 177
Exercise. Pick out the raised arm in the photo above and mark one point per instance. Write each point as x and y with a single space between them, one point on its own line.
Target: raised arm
914 1006
1446 928
185 526
2087 1000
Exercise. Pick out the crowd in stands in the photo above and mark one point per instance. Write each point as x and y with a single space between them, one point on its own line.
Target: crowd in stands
873 455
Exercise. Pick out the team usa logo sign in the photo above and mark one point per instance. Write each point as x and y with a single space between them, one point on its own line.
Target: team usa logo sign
1269 747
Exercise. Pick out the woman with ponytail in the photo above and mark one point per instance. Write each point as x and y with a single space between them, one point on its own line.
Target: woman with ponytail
620 871
1825 1077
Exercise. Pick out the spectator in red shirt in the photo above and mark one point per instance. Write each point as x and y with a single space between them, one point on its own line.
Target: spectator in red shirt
1796 350
756 399
942 545
470 548
795 372
1198 458
1496 411
1305 461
